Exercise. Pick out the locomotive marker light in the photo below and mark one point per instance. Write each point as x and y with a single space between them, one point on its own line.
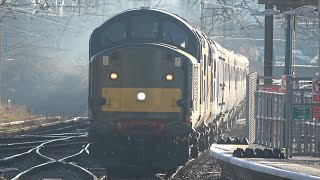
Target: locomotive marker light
114 76
105 60
141 96
169 77
177 61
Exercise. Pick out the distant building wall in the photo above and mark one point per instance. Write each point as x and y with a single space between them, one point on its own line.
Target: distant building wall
278 70
299 70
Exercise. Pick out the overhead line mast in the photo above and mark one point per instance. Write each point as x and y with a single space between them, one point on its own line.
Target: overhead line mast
282 5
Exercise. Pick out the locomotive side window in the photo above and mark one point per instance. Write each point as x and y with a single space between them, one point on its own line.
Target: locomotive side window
144 27
174 34
203 41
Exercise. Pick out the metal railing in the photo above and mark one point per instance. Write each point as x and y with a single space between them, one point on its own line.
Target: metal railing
269 116
286 120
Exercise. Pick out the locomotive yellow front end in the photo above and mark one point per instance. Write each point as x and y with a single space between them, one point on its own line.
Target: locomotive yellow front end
140 98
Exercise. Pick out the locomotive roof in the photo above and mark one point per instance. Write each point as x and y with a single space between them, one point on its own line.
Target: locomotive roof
150 11
190 33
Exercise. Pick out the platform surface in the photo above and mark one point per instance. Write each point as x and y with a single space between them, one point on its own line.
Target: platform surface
298 167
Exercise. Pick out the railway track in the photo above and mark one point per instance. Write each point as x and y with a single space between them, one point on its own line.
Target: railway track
23 143
68 157
58 167
64 153
26 161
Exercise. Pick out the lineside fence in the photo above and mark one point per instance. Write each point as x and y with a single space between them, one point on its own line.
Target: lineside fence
283 117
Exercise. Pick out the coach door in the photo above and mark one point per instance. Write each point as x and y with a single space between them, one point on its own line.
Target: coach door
222 84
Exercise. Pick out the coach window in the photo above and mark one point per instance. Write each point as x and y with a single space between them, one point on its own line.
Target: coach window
144 27
229 72
205 64
214 68
174 34
236 78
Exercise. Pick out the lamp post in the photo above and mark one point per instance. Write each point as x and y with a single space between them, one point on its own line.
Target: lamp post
288 73
269 12
288 48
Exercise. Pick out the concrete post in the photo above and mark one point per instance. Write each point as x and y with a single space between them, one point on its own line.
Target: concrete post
268 46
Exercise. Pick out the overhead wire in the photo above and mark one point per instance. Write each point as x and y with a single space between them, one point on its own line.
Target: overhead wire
231 12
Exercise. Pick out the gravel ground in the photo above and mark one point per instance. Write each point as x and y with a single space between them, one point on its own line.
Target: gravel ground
206 167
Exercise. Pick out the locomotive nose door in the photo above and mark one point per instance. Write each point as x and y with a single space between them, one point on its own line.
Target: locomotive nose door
132 89
141 81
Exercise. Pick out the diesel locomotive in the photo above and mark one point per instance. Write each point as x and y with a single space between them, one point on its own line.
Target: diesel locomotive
159 89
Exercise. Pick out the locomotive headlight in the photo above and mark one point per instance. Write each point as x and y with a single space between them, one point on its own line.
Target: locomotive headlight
169 77
141 96
114 76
